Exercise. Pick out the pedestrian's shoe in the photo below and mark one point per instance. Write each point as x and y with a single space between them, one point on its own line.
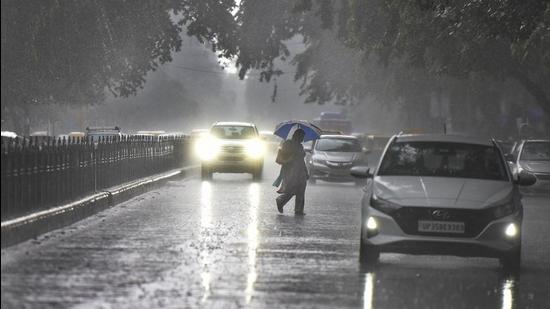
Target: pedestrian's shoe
279 207
299 213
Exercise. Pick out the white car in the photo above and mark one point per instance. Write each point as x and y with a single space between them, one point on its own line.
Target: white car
442 194
231 147
9 135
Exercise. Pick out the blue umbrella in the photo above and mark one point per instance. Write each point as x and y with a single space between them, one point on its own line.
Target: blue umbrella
287 128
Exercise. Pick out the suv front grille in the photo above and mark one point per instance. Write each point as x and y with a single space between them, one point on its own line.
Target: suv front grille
337 165
474 220
236 149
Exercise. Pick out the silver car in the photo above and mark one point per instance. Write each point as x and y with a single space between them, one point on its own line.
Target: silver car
533 156
331 157
442 194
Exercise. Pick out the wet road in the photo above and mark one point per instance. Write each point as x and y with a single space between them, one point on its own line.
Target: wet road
222 244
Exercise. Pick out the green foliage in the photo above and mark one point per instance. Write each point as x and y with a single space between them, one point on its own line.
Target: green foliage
498 39
71 51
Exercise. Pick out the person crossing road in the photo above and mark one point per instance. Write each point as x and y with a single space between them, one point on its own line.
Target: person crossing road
294 173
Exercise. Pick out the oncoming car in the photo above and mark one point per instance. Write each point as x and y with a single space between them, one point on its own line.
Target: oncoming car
442 194
231 147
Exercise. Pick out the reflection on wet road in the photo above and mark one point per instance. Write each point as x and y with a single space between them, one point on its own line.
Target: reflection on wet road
206 224
369 290
253 235
222 244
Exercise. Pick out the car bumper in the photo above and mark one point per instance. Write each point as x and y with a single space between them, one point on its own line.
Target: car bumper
246 165
490 242
323 172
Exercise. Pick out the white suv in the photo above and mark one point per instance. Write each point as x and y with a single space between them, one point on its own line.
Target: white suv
231 147
442 194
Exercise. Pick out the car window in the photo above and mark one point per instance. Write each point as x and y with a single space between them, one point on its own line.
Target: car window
338 145
233 132
535 151
441 159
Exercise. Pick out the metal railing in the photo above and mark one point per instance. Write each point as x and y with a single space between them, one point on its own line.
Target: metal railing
39 174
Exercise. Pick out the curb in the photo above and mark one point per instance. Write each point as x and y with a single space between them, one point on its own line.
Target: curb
30 226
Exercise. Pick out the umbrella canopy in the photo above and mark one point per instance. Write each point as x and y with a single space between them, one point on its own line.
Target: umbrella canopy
287 128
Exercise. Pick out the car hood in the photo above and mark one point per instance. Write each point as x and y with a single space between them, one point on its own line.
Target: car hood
234 142
443 192
338 156
536 166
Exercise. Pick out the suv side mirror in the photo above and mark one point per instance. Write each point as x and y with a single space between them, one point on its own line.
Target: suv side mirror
365 150
361 172
509 157
525 178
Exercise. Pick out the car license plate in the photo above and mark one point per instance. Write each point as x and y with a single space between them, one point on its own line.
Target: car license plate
441 226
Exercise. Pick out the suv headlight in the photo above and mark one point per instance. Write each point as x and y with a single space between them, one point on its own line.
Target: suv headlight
383 205
254 148
503 210
207 148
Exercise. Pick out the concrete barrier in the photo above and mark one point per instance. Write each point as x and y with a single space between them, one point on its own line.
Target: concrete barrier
30 226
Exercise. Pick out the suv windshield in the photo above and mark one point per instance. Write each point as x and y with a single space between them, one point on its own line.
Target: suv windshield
441 159
535 151
338 145
233 132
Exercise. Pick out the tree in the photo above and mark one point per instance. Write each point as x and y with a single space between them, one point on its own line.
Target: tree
499 39
69 52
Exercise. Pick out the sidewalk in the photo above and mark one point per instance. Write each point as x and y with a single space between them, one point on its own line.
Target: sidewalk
29 226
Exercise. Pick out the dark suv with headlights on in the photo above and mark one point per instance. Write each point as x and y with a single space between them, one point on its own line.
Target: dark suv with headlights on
331 157
442 194
231 147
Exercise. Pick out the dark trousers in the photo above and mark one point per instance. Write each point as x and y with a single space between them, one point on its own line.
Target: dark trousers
298 201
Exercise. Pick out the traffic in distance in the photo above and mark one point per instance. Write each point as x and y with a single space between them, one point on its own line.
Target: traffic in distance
425 194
